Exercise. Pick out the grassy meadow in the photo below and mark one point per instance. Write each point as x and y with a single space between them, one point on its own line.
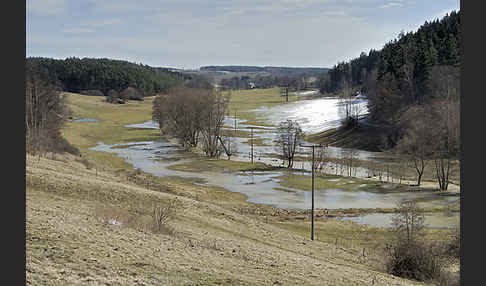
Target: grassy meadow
110 126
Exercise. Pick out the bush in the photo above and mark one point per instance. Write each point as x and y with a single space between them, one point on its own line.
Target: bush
409 255
414 260
349 123
113 96
448 279
131 93
61 145
161 215
453 246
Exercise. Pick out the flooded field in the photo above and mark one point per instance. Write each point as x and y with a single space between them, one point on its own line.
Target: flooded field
313 115
155 157
436 220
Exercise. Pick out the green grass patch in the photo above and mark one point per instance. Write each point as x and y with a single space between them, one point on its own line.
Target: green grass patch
110 126
201 164
301 182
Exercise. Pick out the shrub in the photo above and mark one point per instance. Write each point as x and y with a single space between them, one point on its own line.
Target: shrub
348 123
453 246
448 279
113 96
408 255
162 215
413 260
131 93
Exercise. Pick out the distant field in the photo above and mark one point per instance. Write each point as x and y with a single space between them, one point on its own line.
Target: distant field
244 101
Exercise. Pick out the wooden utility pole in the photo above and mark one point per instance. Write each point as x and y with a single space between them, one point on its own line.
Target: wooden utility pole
313 167
251 136
284 91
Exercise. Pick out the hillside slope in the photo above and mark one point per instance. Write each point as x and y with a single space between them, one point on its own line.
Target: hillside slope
69 239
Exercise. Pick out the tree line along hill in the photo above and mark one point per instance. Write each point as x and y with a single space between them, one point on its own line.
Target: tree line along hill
267 69
410 70
94 76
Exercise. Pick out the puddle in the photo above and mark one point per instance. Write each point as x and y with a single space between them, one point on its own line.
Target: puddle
85 120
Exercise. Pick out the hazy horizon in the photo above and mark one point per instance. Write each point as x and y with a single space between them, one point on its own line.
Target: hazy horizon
190 34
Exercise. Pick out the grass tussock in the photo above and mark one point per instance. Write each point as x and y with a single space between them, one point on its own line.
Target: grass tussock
162 215
156 220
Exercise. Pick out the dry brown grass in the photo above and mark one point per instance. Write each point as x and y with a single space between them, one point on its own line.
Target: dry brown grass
162 215
67 242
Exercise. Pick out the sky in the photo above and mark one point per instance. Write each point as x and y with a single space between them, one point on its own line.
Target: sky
193 33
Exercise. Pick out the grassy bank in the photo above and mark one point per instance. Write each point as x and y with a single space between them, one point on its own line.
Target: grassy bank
362 137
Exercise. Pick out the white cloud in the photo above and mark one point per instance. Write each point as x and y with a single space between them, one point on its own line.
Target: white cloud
391 4
191 33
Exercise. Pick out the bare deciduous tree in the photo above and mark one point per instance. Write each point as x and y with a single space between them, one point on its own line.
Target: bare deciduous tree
212 122
417 143
320 159
448 140
349 161
289 136
349 108
446 84
408 221
192 115
44 110
180 113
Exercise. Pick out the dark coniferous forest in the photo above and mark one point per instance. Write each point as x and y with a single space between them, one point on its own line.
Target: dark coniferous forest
402 72
91 74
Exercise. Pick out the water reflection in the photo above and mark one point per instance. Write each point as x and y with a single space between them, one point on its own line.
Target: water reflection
155 157
436 220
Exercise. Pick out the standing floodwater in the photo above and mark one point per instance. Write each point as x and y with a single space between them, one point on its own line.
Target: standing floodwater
155 157
315 115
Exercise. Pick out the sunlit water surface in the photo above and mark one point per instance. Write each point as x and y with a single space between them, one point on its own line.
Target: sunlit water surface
316 115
